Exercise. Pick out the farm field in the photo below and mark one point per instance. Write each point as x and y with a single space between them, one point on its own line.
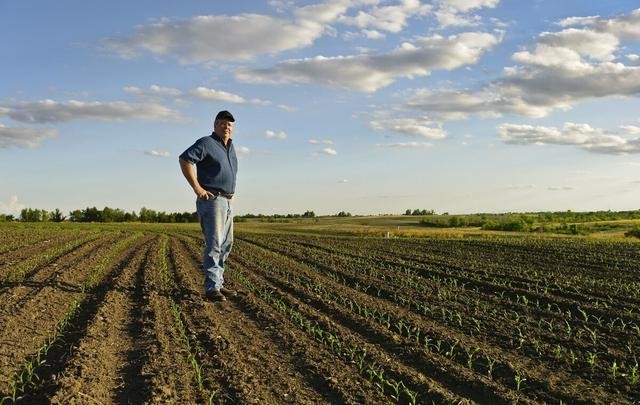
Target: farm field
115 313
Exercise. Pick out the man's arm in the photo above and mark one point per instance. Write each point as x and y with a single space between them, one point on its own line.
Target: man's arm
189 172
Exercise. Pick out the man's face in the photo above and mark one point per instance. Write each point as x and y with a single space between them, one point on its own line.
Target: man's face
223 128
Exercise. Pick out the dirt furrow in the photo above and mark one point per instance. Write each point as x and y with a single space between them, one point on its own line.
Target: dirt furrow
106 366
36 319
166 369
66 273
254 353
413 354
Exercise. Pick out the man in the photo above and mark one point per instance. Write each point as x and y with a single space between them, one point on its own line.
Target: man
210 167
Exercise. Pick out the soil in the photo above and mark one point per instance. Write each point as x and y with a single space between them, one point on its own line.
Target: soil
121 318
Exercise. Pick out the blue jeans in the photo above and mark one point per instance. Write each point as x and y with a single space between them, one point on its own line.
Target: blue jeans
216 222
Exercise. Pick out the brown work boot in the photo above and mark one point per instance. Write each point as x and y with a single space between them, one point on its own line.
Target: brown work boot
214 296
228 292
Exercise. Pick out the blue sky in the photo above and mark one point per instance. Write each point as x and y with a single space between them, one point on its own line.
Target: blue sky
364 106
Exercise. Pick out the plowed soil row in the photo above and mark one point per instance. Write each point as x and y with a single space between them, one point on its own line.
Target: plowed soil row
490 309
126 320
259 356
32 309
452 370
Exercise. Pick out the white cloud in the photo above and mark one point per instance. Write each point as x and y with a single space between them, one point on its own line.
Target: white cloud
202 93
211 38
409 126
324 141
467 5
457 12
287 108
573 21
24 137
153 91
156 153
560 188
521 186
373 34
216 95
630 129
408 145
343 181
273 135
46 111
581 135
243 151
368 73
561 69
388 18
12 207
447 18
625 26
633 57
329 151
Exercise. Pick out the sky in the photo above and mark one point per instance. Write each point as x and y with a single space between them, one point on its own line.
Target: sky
365 106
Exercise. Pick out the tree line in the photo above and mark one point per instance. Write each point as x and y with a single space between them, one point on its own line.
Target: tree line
107 214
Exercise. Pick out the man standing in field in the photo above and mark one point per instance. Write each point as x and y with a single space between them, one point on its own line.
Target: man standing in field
210 167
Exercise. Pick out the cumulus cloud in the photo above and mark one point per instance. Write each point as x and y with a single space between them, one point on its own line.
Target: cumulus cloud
387 18
318 141
518 187
153 91
24 137
581 135
407 145
329 151
242 151
11 207
467 5
48 111
561 69
216 95
368 73
287 108
410 127
201 93
560 188
210 38
630 129
273 135
156 153
457 12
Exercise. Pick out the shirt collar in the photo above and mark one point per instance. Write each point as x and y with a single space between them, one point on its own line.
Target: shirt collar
219 138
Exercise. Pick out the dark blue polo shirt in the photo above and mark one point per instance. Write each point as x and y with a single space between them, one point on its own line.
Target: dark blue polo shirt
216 165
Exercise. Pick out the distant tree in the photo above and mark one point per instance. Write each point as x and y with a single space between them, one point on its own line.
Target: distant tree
92 215
130 216
148 215
6 217
408 212
343 214
56 216
33 215
309 214
75 216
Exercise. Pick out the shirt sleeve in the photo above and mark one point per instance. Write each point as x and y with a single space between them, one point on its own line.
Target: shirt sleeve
194 153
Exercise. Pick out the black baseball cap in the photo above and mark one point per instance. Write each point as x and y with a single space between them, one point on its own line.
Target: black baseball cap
225 115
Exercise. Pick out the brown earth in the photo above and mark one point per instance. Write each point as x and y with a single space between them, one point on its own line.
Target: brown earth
122 319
